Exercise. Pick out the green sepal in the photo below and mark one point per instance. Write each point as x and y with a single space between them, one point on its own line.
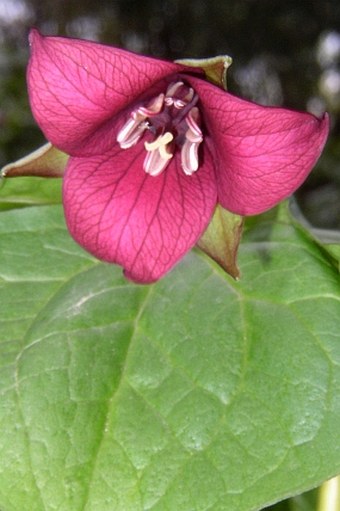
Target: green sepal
215 68
47 161
221 239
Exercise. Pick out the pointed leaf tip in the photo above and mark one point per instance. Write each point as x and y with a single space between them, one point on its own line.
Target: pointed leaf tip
221 240
215 68
47 161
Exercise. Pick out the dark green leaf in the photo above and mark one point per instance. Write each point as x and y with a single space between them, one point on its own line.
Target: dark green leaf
196 393
29 191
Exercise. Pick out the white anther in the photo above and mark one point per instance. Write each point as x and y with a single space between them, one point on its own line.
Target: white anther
193 138
132 131
189 157
194 132
153 108
189 96
173 88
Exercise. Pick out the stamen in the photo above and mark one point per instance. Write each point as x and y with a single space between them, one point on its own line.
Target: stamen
134 127
189 96
173 88
189 157
174 119
193 138
153 108
132 131
179 102
194 133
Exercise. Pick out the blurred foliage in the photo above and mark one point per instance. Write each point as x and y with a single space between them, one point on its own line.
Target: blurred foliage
304 502
285 53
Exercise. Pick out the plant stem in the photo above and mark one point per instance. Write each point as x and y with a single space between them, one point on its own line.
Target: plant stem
329 495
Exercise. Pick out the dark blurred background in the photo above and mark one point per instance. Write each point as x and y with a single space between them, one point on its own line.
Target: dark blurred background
285 53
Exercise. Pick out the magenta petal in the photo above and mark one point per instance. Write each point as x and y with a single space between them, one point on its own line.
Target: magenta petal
76 86
263 154
122 215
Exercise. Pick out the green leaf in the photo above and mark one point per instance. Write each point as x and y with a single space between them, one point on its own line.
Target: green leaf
47 161
195 393
29 191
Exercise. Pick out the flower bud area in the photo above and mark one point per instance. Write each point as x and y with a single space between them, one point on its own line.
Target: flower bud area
173 119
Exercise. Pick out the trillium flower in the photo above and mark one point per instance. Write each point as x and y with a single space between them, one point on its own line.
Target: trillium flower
154 147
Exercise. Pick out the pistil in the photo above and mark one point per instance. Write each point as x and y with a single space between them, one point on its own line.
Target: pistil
158 155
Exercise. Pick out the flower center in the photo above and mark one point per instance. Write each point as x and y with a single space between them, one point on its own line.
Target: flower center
173 120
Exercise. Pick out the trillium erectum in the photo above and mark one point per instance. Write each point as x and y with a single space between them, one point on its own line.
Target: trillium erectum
154 147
